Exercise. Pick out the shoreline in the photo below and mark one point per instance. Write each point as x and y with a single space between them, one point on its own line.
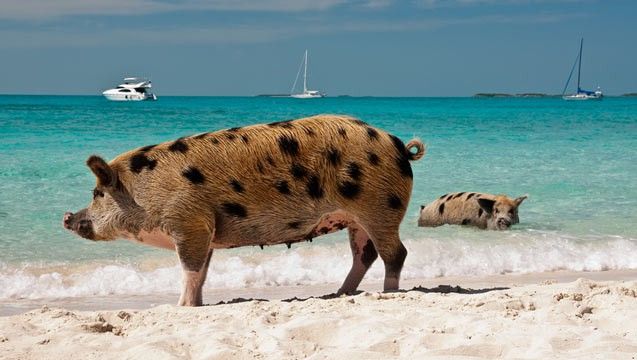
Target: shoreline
530 316
477 284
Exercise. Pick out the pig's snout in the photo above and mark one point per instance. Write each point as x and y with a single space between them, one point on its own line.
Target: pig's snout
79 224
66 220
504 223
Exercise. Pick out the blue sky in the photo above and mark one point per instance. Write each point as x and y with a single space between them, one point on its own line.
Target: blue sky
364 47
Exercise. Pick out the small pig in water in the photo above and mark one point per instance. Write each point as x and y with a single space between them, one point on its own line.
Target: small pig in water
278 183
486 211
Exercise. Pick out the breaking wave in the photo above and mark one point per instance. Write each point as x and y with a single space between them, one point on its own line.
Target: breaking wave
444 253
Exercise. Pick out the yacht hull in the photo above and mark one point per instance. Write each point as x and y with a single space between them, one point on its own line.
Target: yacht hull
117 96
306 96
582 97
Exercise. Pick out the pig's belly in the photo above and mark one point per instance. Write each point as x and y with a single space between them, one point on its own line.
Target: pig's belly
236 237
251 234
156 238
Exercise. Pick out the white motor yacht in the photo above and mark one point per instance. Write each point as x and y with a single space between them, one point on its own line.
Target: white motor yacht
133 89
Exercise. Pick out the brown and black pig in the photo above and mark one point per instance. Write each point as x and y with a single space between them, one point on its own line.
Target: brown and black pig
277 183
486 211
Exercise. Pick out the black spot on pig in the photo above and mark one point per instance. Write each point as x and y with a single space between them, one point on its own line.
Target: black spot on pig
287 124
236 186
372 133
349 189
314 188
354 171
298 171
235 209
394 202
294 224
289 145
283 187
458 195
333 156
178 146
373 158
193 175
369 254
402 158
138 162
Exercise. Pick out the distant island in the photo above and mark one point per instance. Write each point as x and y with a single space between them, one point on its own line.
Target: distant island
630 95
521 95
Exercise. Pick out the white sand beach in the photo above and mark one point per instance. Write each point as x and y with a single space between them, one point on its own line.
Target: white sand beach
565 315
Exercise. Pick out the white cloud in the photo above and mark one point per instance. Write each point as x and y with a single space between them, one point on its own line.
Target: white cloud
63 37
147 37
377 4
452 3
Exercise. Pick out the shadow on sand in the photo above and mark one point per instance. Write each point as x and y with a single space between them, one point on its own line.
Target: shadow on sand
440 289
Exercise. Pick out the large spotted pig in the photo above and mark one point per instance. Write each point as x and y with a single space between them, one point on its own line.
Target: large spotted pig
278 183
486 211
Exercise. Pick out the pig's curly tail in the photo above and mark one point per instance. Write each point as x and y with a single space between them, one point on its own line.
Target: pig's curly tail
420 149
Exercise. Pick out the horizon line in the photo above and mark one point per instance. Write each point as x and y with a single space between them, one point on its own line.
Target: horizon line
282 96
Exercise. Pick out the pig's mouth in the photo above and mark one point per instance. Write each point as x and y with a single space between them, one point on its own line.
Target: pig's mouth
81 226
503 224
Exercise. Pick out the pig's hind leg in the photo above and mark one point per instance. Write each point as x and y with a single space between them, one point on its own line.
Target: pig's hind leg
363 254
391 250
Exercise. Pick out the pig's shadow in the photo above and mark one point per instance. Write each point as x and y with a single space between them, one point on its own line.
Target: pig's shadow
440 289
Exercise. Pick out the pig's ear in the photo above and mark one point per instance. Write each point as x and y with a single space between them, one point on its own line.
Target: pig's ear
519 200
486 205
103 172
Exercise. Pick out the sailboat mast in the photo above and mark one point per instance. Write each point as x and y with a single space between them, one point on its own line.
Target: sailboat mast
305 74
579 69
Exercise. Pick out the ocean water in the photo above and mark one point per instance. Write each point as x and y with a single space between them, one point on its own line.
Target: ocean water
576 161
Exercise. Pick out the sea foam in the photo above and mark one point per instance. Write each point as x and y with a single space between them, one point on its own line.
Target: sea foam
308 264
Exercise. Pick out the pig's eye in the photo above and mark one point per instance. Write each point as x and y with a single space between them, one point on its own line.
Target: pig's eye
97 193
511 212
497 211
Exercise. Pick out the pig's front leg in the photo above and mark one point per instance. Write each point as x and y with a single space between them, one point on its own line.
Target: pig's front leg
192 290
194 252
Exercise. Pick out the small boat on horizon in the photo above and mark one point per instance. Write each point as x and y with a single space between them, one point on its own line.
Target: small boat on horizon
581 94
306 94
133 89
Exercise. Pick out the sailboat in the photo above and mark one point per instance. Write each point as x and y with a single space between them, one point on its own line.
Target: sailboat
306 94
581 93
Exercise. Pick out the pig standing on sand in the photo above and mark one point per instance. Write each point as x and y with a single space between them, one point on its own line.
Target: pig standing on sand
278 183
486 211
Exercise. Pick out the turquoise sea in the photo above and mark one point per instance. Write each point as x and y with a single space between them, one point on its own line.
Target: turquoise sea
577 161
